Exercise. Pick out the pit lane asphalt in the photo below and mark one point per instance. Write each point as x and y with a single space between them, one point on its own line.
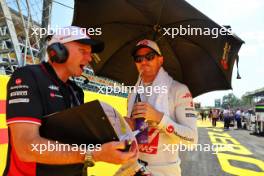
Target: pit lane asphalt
200 163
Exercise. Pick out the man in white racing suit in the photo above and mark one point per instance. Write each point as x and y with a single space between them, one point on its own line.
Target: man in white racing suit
168 109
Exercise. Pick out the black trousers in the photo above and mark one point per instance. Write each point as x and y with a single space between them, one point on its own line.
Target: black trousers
227 122
239 125
214 121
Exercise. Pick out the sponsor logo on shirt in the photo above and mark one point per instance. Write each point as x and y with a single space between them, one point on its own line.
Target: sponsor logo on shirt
18 93
18 100
53 87
190 115
19 87
152 146
184 137
189 109
18 81
53 95
150 149
170 129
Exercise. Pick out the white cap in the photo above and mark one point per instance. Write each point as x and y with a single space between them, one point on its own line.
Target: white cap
74 33
146 44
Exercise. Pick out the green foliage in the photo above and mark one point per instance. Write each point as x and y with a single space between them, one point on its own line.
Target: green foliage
231 101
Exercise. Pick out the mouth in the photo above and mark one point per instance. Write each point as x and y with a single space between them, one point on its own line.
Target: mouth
145 67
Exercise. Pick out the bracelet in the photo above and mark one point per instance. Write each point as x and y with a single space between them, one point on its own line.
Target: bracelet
88 160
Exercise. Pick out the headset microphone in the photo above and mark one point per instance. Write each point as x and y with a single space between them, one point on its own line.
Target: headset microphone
86 80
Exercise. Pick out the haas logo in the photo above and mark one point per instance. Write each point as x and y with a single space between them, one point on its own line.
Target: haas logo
143 42
152 146
148 149
18 81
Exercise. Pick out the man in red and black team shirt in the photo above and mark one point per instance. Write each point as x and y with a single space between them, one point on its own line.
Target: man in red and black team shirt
37 90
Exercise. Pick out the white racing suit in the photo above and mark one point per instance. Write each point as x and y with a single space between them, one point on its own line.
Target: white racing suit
178 126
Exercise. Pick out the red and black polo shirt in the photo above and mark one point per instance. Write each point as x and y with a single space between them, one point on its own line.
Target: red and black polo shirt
33 92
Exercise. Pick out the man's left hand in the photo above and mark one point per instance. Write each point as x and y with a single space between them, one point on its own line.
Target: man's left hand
143 109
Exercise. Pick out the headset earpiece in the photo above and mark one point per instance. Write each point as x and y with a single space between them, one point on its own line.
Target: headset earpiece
58 53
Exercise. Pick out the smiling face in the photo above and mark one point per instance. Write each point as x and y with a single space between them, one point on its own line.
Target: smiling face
148 68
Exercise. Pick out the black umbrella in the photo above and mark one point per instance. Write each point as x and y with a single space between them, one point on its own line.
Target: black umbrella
203 62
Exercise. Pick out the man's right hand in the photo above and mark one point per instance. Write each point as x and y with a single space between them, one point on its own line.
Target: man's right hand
110 152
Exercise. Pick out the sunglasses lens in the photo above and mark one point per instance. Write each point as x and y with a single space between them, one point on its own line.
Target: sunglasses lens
148 56
138 59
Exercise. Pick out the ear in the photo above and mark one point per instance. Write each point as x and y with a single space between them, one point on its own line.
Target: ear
67 45
161 60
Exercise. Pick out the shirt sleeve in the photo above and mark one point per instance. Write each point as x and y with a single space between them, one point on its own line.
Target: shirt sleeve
182 127
23 98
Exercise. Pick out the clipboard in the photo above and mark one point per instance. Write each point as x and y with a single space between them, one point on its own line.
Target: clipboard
84 124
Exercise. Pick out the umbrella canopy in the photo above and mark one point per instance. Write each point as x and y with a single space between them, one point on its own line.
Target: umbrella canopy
203 60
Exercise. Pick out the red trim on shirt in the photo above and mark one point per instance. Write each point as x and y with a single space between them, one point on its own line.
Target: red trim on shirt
3 136
2 106
18 167
23 119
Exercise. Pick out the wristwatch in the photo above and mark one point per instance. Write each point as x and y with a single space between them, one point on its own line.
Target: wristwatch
88 160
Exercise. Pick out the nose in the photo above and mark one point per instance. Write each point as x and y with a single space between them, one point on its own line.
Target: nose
144 61
88 57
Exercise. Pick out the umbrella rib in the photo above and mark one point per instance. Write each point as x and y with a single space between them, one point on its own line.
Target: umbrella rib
161 9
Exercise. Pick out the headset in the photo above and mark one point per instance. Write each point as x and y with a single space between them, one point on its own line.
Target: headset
58 53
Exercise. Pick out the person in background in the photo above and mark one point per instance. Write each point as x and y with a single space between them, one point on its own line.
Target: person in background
238 118
202 115
214 117
210 114
226 114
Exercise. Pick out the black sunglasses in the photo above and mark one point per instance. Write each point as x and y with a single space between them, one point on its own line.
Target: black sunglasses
149 56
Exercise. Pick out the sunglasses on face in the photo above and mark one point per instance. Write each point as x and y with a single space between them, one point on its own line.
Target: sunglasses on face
149 56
